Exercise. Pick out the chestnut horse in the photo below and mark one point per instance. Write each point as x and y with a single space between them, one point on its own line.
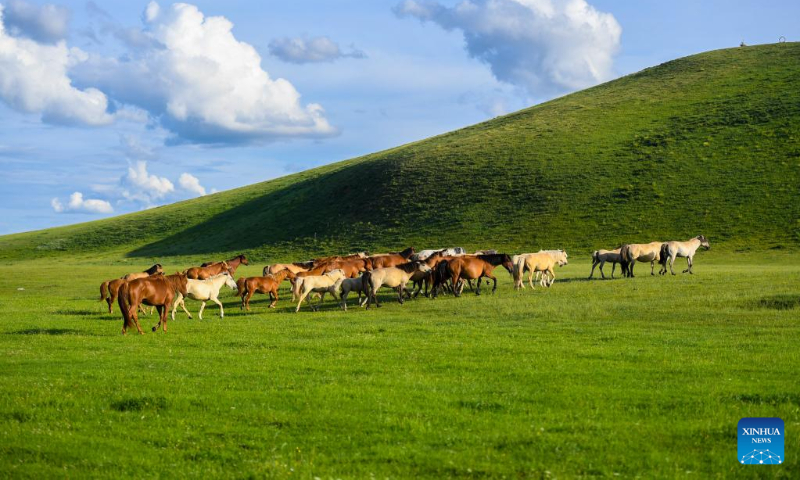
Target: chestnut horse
232 263
295 268
203 273
477 267
390 259
110 288
352 267
158 291
267 284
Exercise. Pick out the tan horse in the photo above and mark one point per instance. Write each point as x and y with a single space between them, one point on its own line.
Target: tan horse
202 273
352 267
639 252
477 267
268 284
672 250
158 291
393 277
538 262
295 268
319 284
110 288
600 257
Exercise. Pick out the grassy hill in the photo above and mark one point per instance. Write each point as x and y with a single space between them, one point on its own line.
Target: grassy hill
704 144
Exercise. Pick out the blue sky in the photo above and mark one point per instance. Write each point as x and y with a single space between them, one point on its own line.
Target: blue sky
113 107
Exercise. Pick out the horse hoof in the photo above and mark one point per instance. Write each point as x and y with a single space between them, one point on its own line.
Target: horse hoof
154 329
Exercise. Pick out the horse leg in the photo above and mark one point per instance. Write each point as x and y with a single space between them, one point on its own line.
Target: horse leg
552 274
303 296
530 278
602 275
689 265
202 307
630 268
478 291
455 279
594 264
160 320
134 313
613 267
162 312
494 279
246 299
183 305
652 268
273 295
400 291
221 310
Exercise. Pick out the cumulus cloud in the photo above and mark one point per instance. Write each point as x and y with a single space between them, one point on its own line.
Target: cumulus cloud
141 186
305 50
190 183
544 46
203 84
46 24
77 204
33 79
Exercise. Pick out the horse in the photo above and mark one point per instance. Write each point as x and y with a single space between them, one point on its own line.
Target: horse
424 254
390 259
393 277
672 250
157 290
319 284
267 284
600 257
639 252
556 254
233 263
477 267
204 290
352 267
202 273
538 262
344 286
298 280
295 268
110 288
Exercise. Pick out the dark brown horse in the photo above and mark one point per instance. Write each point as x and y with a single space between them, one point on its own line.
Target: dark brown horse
232 263
157 291
471 267
110 288
390 259
267 284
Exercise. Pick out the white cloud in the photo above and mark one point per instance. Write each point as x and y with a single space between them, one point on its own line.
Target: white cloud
190 183
48 23
141 186
77 204
544 46
305 50
203 84
33 79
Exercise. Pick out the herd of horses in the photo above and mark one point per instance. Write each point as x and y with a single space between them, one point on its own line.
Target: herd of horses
438 272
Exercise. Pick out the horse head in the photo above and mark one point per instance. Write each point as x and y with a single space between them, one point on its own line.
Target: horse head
265 272
407 252
562 258
243 259
230 282
703 242
507 263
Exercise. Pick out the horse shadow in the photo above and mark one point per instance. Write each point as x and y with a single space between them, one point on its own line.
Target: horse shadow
51 331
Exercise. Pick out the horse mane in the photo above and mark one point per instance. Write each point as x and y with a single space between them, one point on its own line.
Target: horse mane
155 268
494 258
407 267
407 252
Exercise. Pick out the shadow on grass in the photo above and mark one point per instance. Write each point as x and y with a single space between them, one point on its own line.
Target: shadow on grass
52 331
776 302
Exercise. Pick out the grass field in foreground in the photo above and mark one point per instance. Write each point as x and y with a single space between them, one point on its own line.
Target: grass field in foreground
644 377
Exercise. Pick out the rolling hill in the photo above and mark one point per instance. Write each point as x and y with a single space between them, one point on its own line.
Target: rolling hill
704 144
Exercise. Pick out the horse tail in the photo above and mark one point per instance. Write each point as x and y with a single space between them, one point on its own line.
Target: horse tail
241 286
367 283
595 255
124 305
664 254
104 291
625 258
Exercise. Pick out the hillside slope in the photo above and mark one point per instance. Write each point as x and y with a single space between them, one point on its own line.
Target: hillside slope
704 144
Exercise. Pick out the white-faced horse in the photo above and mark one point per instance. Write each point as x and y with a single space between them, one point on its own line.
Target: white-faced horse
672 250
204 291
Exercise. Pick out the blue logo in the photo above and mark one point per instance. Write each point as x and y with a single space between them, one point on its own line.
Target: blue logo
761 441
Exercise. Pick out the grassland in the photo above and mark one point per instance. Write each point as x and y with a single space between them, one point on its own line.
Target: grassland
704 144
644 377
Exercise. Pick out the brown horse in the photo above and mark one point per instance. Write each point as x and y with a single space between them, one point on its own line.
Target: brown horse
110 288
477 267
157 291
203 273
232 263
352 267
295 268
267 284
390 259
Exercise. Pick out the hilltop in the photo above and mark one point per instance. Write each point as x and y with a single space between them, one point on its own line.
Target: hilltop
704 144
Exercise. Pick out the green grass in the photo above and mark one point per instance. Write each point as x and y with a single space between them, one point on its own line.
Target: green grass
643 377
704 144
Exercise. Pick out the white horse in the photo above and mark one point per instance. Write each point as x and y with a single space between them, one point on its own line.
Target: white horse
448 252
515 260
203 291
319 284
600 257
639 252
672 250
543 261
